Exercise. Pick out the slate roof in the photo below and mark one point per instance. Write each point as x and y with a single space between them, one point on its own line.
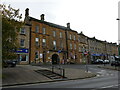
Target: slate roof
51 24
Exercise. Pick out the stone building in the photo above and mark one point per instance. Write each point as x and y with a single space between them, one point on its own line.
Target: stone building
72 45
47 42
83 48
23 40
56 44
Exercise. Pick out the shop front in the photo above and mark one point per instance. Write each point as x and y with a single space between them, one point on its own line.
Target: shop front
23 56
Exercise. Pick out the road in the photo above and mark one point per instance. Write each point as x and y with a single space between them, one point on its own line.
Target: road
105 79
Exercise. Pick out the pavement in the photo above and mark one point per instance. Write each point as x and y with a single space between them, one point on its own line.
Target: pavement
25 74
110 67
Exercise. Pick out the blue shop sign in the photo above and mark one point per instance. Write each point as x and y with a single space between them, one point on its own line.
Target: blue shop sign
22 50
59 51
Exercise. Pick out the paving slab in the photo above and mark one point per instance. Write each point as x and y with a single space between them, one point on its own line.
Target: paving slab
25 74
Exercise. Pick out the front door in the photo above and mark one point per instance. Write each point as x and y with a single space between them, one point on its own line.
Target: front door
55 59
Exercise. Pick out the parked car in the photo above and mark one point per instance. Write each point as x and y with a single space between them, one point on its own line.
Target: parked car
9 63
106 61
98 61
115 63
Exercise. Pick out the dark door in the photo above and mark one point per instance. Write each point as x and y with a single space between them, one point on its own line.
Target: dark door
55 59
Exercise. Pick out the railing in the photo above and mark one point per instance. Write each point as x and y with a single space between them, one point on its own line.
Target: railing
59 70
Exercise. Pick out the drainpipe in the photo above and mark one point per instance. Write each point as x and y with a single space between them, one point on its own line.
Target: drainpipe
30 46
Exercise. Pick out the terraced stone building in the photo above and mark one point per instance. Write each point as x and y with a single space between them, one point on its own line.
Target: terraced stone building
55 44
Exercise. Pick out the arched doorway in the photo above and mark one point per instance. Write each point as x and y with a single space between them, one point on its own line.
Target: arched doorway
55 59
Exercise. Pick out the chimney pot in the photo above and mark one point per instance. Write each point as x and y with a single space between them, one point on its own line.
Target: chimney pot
27 12
68 25
42 17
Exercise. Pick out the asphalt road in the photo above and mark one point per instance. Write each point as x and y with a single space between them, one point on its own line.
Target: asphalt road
105 79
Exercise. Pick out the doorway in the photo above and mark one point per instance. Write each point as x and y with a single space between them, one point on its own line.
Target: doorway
55 59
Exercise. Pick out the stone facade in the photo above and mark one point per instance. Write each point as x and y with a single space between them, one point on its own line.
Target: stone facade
23 40
55 44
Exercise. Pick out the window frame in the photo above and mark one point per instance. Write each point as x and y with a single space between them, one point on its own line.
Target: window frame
44 30
37 28
22 42
37 41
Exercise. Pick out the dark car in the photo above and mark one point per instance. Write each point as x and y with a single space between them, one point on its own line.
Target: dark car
98 61
115 63
9 63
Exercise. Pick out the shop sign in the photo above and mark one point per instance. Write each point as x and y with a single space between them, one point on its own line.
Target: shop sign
22 50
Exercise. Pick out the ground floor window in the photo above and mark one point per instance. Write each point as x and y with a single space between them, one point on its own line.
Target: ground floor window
23 57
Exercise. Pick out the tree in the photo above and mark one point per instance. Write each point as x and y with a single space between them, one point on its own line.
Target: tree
11 23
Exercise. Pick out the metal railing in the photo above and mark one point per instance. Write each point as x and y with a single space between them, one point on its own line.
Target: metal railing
59 70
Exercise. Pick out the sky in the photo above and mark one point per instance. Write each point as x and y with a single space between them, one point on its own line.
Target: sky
92 17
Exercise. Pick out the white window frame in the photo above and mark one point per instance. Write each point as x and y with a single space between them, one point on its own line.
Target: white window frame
44 30
37 41
22 42
37 29
70 45
54 33
54 44
44 41
22 30
75 46
70 36
61 35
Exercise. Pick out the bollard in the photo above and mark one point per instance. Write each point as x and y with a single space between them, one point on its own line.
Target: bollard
52 69
63 72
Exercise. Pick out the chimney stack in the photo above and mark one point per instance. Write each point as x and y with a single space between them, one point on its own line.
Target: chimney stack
68 25
27 12
42 17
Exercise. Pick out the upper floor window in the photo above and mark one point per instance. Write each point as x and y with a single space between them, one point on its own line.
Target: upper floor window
61 44
44 30
54 45
37 41
54 33
75 46
70 36
79 39
79 49
70 45
74 37
22 42
36 55
44 42
60 34
22 30
37 29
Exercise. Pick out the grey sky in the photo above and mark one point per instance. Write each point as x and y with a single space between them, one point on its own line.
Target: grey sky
93 17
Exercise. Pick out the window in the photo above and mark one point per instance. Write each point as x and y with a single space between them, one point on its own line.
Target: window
23 57
75 46
60 34
79 49
70 36
44 30
79 39
22 42
37 41
61 45
54 34
54 45
44 42
70 45
22 30
37 29
74 37
36 55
